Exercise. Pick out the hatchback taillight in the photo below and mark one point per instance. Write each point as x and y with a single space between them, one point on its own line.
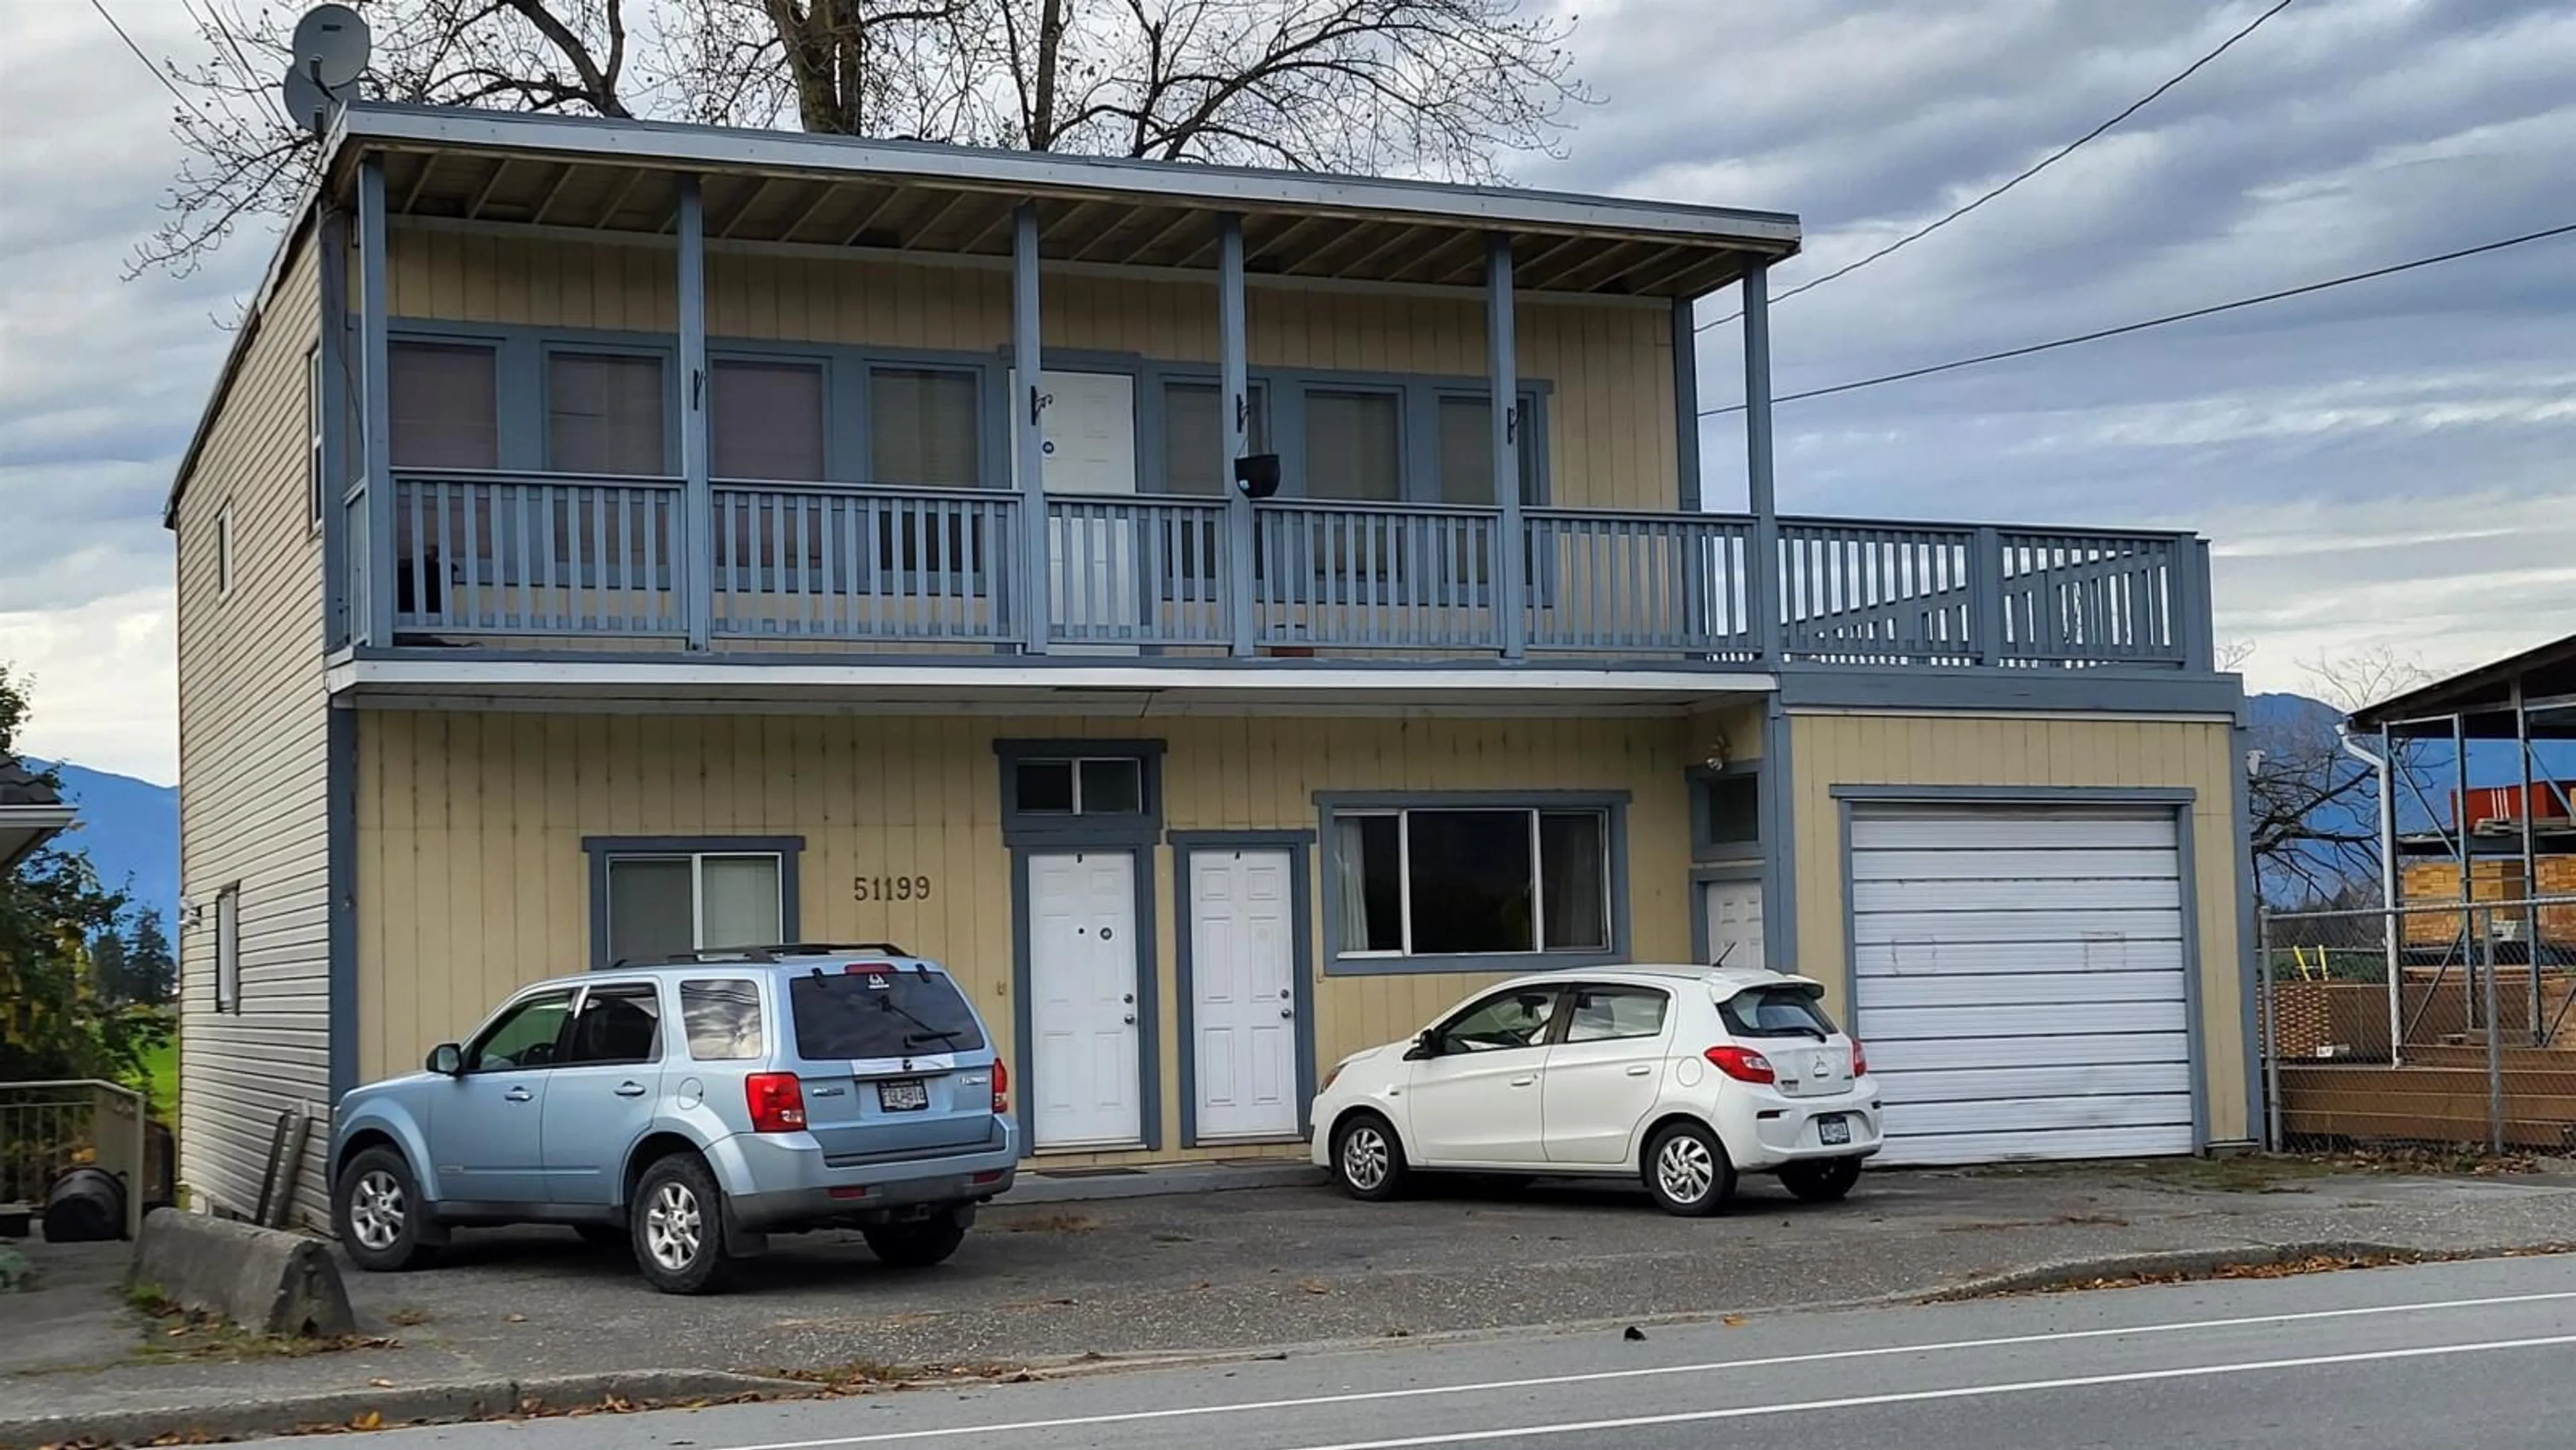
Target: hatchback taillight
1001 1088
776 1100
1860 1059
1741 1063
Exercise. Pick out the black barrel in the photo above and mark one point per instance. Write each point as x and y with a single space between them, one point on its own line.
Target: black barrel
85 1206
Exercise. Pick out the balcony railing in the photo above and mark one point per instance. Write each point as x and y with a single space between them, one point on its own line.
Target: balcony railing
473 555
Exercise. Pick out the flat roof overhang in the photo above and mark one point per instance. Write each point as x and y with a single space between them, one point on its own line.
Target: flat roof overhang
1058 685
622 177
2482 700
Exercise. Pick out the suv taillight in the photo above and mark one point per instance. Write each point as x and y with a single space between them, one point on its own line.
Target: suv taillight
777 1102
1001 1088
1860 1059
1741 1063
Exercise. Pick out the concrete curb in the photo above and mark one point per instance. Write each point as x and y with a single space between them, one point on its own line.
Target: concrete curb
2187 1264
1038 1187
480 1399
266 1280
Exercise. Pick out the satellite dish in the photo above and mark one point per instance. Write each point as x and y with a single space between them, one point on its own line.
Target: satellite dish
330 46
310 105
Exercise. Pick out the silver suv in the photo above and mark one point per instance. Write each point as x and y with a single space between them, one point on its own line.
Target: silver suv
689 1109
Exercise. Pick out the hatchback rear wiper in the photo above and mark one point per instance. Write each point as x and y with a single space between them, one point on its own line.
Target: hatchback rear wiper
927 1033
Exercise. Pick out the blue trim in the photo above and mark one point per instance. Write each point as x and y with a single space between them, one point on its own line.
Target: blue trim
600 848
1299 845
1779 830
2096 691
1686 403
376 417
2028 795
333 343
1851 926
340 890
2241 828
1149 1039
2195 1035
1613 803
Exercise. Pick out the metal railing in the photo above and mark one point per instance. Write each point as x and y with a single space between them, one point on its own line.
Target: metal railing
479 552
880 563
48 1128
2439 1025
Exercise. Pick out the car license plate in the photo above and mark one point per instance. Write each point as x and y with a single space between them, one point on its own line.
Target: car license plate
903 1095
1834 1129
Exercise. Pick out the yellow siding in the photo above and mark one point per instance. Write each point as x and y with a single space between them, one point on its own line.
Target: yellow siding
1611 414
471 876
1831 750
251 761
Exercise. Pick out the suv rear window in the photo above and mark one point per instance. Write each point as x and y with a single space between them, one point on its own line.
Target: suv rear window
898 1012
1782 1011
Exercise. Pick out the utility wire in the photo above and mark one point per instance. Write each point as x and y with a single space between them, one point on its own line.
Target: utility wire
2060 154
148 63
2167 319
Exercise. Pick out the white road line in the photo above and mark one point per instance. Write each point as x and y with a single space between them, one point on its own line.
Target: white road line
1962 1392
1071 1422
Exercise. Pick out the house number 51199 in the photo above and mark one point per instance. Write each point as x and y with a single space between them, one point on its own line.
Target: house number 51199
889 888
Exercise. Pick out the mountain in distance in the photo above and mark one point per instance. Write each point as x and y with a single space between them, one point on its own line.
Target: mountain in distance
130 828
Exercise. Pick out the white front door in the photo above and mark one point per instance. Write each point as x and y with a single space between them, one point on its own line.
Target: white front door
1088 428
1734 913
1083 1077
1243 1011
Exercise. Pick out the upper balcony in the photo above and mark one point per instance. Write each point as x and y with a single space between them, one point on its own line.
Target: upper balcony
637 390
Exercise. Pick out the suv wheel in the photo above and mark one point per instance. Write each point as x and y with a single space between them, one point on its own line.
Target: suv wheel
1368 1160
1688 1172
376 1206
919 1243
677 1224
1823 1180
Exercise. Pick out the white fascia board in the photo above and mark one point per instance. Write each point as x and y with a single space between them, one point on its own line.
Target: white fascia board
1215 187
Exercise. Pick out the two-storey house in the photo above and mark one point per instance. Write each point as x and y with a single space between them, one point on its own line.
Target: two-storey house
610 538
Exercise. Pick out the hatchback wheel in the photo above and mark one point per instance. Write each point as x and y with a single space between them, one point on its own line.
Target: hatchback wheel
1823 1180
1368 1160
677 1223
1688 1172
376 1207
918 1244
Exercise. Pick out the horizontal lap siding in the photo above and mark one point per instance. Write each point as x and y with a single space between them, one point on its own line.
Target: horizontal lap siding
251 767
1611 412
1828 750
472 877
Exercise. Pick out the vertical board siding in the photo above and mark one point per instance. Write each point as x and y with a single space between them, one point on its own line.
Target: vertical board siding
252 759
472 878
1611 416
1832 750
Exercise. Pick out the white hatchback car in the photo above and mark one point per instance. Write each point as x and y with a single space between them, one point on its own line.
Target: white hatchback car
1687 1076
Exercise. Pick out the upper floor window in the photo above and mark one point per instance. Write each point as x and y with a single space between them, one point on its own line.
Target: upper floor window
1194 438
604 413
1355 444
446 405
766 419
1467 448
925 426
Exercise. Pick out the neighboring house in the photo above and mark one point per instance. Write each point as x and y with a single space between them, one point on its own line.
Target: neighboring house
608 538
31 813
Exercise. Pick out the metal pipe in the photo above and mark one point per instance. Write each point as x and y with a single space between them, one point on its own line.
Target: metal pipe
2387 886
2495 1044
2468 875
2530 861
2271 1031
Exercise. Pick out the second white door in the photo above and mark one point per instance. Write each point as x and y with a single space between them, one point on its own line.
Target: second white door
1083 1073
1243 1010
1734 912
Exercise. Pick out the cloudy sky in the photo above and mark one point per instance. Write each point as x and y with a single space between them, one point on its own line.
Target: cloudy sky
2392 463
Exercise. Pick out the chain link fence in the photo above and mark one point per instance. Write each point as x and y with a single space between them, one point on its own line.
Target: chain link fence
2442 1027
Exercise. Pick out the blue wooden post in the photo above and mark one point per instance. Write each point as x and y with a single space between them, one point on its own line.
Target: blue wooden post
1511 589
1762 570
1701 610
1986 595
693 551
375 353
332 398
1028 439
1234 396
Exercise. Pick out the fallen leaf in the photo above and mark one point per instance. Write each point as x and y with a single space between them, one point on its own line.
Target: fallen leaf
369 1420
514 1319
382 1384
1733 1321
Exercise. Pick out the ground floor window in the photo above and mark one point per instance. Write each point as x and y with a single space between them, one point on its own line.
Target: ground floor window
658 898
1472 880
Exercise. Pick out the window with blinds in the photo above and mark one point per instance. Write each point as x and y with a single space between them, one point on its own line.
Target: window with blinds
604 413
446 405
1354 445
765 419
1194 439
924 427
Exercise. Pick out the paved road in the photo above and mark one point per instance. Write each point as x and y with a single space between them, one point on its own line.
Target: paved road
2471 1354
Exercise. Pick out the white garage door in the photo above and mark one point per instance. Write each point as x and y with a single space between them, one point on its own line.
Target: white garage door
2020 980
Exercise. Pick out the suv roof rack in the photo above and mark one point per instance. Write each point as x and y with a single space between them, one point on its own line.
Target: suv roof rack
773 953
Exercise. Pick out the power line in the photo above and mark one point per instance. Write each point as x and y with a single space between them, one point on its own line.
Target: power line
2060 154
148 64
2167 319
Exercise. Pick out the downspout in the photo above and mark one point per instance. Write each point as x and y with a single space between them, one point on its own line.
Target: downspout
2387 886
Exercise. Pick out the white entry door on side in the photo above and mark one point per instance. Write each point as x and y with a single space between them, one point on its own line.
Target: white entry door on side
1734 914
1243 1010
1088 429
1084 1088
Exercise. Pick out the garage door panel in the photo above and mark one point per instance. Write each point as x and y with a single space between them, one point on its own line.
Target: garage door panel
1899 1024
1919 958
2016 989
2018 865
2084 895
1889 1058
2004 926
2017 830
2050 1115
1980 1084
1937 1148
